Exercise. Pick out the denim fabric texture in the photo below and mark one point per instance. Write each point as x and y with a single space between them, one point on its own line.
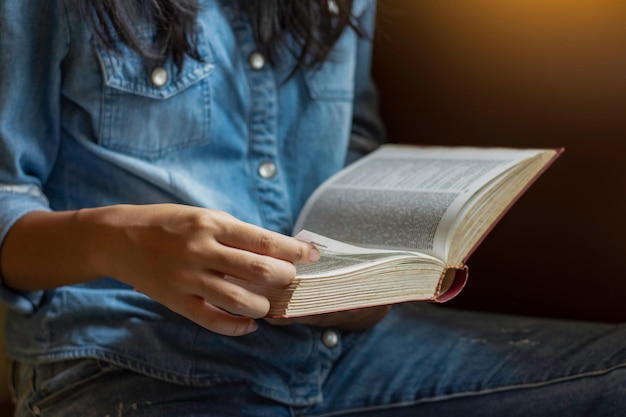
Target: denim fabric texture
84 126
422 360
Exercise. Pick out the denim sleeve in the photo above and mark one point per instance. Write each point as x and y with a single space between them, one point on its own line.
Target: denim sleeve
368 130
33 40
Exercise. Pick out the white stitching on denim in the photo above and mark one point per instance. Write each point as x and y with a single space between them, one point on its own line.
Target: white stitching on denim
25 189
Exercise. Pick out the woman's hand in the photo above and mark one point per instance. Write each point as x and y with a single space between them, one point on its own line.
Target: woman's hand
179 255
361 319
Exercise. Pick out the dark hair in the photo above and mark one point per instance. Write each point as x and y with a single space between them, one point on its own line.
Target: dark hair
314 26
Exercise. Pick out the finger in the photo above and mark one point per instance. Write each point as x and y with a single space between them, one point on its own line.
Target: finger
231 297
359 319
320 320
282 321
252 267
212 318
265 242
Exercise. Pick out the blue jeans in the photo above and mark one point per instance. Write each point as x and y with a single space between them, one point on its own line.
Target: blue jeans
422 360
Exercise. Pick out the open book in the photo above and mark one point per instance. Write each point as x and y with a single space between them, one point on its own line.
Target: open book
399 225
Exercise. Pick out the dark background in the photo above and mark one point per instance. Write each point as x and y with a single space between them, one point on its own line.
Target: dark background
524 73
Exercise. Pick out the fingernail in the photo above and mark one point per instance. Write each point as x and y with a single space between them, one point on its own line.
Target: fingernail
314 255
253 326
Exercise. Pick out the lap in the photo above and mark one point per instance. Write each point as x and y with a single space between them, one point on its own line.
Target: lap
421 361
92 388
432 357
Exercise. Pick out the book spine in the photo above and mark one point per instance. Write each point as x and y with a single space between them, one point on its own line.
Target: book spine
452 282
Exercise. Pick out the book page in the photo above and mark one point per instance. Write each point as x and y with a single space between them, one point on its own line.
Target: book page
404 197
339 258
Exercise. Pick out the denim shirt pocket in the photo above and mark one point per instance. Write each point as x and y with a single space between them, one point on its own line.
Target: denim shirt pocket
148 110
334 79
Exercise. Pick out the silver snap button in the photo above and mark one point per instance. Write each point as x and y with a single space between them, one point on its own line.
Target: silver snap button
159 77
256 60
333 8
330 338
267 170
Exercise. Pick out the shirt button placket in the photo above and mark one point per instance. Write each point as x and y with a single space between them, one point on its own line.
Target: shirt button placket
271 189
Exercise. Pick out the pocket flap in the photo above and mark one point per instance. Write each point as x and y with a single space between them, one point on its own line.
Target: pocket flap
126 70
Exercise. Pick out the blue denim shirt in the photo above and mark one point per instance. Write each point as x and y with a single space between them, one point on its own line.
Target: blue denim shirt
83 126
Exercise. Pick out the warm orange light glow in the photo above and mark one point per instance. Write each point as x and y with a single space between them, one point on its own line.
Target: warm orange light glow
541 58
524 73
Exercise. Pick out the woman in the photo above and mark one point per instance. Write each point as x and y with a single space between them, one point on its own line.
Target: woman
151 147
